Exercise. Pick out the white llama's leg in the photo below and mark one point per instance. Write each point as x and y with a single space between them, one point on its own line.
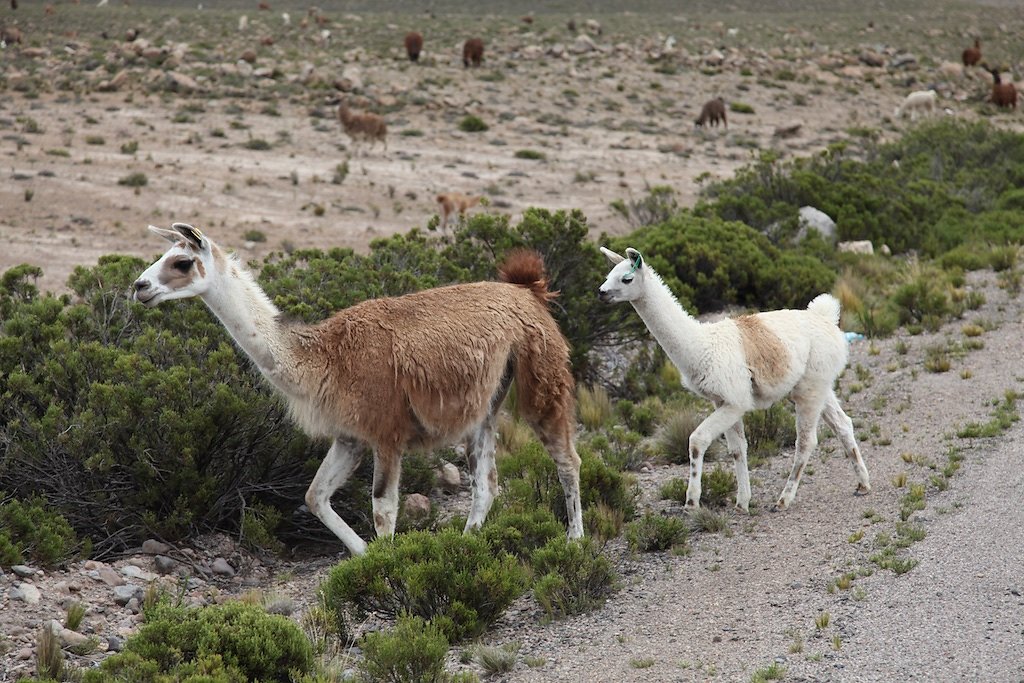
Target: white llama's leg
737 442
808 411
480 450
840 423
713 426
340 462
387 469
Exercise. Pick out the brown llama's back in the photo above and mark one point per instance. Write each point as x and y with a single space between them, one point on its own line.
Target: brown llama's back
420 370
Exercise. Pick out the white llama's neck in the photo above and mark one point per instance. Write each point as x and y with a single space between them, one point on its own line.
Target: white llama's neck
676 331
251 318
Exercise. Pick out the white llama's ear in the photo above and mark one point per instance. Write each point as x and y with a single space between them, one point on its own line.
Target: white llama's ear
192 235
635 258
612 256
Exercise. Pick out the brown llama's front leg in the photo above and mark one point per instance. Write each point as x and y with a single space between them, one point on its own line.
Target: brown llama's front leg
340 462
387 469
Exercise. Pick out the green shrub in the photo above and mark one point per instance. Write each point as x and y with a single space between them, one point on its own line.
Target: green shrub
31 532
257 144
134 180
653 533
574 577
520 533
448 578
769 432
530 154
412 652
230 642
472 124
717 487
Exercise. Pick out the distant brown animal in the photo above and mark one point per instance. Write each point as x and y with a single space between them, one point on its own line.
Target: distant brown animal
11 35
972 55
267 40
416 372
264 6
711 113
413 45
527 19
49 10
1003 94
14 4
452 202
363 125
472 52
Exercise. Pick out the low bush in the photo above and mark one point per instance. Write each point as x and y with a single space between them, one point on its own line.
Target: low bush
29 532
229 642
449 578
717 488
412 652
653 533
519 533
573 577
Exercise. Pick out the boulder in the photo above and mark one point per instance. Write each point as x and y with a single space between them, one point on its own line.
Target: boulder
817 219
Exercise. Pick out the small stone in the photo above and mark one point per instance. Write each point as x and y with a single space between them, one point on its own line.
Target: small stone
133 572
114 644
417 506
164 564
71 638
152 546
124 594
222 568
23 570
27 593
449 478
108 576
24 654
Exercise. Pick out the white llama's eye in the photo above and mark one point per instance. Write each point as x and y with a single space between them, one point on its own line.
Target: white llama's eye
626 279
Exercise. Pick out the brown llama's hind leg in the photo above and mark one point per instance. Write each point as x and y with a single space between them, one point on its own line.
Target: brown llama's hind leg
480 449
338 465
557 437
387 469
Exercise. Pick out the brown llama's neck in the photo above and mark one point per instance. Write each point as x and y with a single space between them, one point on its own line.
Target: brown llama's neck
252 319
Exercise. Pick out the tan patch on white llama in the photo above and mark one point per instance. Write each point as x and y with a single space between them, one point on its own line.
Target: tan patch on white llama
766 355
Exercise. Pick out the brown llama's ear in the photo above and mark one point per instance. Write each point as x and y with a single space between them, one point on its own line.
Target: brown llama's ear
191 234
612 256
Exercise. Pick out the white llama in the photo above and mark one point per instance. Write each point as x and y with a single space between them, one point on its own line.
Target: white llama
420 371
745 363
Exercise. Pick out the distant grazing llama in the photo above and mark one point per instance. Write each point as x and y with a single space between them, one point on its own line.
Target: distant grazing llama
421 371
918 102
742 364
711 112
1003 94
413 45
472 52
454 202
362 126
972 55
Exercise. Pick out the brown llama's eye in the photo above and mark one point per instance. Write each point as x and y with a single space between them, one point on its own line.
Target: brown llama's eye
183 266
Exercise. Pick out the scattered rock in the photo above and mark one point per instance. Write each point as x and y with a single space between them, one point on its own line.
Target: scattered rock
222 568
714 58
180 83
449 478
154 547
856 247
23 570
417 506
811 217
26 592
124 594
108 576
133 572
114 643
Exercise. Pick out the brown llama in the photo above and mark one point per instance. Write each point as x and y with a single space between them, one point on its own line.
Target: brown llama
413 45
420 371
11 35
972 55
711 113
454 202
472 52
363 126
1003 94
14 4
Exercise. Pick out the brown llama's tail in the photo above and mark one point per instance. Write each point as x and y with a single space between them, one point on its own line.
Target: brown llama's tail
525 267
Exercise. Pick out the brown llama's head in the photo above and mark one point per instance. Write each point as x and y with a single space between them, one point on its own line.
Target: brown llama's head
185 270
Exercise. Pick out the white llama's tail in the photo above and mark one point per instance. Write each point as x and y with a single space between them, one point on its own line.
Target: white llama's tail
827 306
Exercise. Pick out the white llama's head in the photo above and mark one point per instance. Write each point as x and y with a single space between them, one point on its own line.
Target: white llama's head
625 281
185 270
